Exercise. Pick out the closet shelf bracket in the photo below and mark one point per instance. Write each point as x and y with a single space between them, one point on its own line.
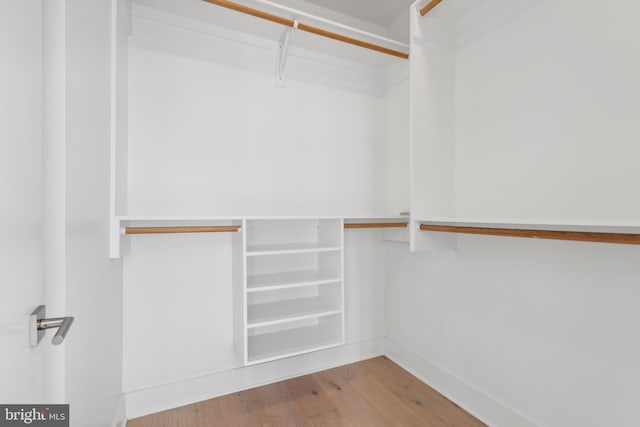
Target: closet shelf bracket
283 50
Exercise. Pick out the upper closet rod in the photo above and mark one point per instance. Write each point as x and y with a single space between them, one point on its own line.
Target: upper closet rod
581 236
305 27
296 12
426 9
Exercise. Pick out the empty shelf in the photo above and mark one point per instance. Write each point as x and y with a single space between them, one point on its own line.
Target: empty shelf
289 279
289 248
289 310
291 342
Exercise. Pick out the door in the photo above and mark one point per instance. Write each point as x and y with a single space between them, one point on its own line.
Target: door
55 137
21 368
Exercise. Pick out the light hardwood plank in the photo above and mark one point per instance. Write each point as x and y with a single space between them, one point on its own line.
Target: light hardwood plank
374 392
329 419
277 407
357 410
385 401
309 396
418 396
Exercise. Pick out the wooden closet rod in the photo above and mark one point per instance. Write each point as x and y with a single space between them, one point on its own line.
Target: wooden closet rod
377 225
183 229
426 9
305 27
582 236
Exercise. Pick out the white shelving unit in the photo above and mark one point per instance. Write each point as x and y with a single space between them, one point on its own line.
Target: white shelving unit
294 187
290 291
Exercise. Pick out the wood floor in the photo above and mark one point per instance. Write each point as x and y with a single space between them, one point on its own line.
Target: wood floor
374 392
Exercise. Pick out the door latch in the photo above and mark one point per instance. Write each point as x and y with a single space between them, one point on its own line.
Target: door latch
38 325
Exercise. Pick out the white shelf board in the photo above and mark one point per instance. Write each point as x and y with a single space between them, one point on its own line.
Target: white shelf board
289 279
289 248
603 226
276 345
288 311
366 217
161 218
388 218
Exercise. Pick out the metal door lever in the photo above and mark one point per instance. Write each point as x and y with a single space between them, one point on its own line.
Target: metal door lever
38 326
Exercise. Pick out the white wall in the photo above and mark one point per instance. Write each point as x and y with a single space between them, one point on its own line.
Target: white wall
527 332
210 133
21 368
177 308
546 113
542 327
399 28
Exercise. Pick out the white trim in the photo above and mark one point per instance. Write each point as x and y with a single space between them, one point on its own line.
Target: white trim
125 12
120 414
250 218
187 391
114 224
484 407
54 226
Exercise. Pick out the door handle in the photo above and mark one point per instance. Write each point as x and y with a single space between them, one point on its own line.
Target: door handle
38 326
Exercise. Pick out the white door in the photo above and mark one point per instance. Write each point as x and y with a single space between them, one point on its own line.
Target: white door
55 131
21 368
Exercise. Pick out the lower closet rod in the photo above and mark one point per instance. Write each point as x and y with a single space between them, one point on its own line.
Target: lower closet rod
182 229
581 236
377 225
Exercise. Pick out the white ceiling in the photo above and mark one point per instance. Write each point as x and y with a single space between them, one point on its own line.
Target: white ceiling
379 12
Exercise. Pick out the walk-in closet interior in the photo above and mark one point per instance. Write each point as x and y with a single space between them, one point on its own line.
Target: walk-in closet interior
297 185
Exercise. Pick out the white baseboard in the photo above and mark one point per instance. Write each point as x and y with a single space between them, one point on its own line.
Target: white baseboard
120 414
474 401
160 398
